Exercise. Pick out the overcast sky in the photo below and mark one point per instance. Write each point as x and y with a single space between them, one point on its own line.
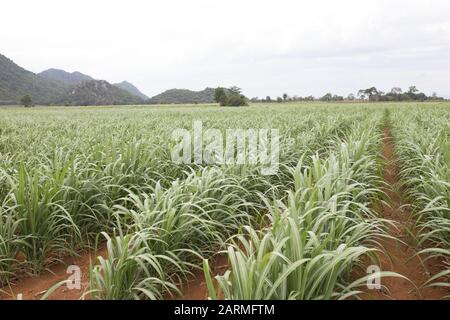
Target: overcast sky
265 47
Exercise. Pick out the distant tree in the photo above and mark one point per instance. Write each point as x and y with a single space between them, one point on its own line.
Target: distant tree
26 101
230 97
413 94
396 90
435 97
220 96
371 92
396 94
361 95
327 97
413 89
235 90
332 97
421 96
235 100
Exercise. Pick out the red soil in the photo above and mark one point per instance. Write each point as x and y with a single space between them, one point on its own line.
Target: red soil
196 288
34 287
401 257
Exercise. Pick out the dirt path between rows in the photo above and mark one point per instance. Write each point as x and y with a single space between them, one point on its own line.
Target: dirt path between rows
34 287
399 256
196 288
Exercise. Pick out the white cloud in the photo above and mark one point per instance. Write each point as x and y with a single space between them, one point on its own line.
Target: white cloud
266 47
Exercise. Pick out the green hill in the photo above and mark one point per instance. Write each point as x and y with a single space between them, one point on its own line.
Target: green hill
183 96
54 86
15 82
125 85
64 76
97 92
74 78
58 87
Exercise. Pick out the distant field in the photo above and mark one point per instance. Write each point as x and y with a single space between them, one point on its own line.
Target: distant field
76 178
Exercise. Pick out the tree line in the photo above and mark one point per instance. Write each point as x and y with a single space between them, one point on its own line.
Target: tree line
233 96
369 94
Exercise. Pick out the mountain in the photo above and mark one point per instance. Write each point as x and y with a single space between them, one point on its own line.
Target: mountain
64 76
125 85
15 82
183 96
78 77
97 92
55 86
